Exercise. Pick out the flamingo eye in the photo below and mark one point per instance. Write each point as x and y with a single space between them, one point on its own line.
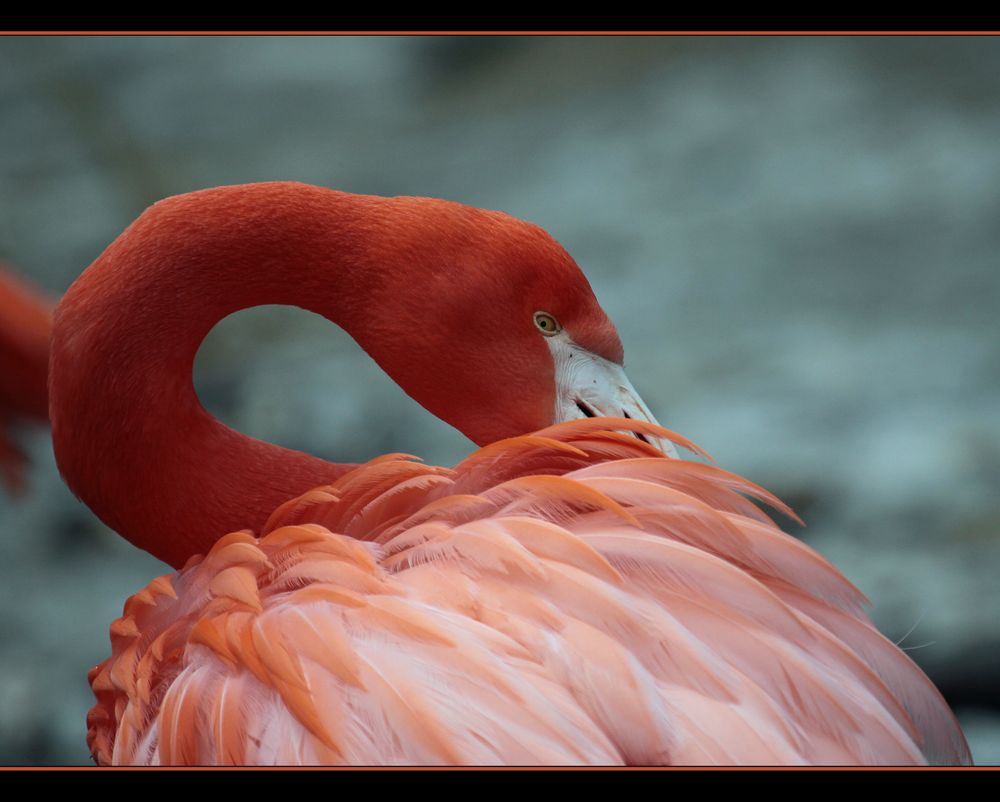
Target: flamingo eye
547 324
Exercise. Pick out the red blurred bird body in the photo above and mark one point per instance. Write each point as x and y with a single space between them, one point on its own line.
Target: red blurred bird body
25 328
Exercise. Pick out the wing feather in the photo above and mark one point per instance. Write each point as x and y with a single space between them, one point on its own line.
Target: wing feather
571 596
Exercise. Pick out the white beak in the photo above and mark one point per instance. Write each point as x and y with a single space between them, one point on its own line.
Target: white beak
589 386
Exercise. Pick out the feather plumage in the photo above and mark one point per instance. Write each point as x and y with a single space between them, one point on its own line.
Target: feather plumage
622 608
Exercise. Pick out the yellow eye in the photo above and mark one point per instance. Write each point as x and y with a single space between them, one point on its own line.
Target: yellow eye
547 324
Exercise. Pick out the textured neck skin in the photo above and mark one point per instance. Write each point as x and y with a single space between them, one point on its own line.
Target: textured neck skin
406 277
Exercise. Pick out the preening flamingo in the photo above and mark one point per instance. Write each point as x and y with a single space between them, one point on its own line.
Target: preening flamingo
25 327
569 593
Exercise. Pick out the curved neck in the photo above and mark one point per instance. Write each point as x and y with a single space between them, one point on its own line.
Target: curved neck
131 437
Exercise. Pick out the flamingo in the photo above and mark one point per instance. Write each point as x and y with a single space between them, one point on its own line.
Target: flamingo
25 327
570 593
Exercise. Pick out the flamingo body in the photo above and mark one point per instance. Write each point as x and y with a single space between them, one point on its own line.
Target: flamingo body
568 596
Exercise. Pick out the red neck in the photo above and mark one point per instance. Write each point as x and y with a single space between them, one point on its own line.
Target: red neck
441 296
130 435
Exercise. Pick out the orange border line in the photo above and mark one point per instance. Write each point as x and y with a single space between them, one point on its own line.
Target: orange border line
511 768
506 33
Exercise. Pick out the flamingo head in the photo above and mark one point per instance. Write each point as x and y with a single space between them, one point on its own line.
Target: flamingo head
511 337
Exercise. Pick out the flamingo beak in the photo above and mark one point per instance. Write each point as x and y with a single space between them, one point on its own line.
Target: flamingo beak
589 386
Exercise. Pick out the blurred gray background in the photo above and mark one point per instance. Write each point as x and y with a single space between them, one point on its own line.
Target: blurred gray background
797 238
